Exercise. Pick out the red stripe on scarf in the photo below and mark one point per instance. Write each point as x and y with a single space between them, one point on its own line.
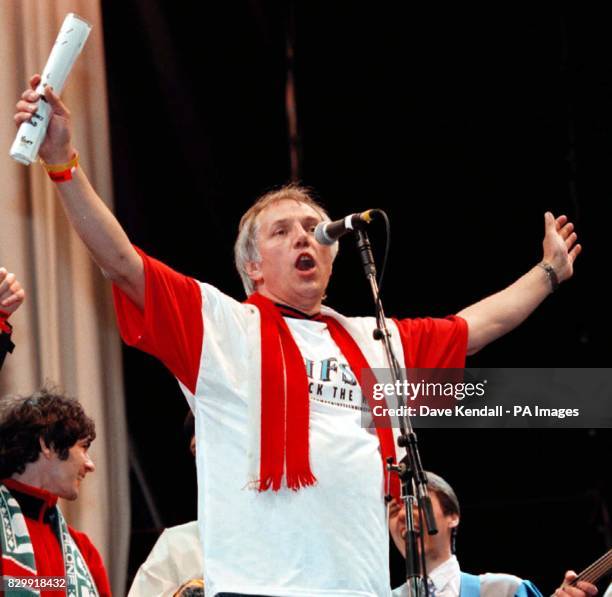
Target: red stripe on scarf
285 406
358 363
10 567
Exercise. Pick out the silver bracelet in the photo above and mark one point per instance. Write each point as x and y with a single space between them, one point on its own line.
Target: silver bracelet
552 275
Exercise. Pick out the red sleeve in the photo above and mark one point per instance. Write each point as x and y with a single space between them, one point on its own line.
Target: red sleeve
94 561
434 343
171 326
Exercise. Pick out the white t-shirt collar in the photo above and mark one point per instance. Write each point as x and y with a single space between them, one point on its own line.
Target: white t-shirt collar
447 578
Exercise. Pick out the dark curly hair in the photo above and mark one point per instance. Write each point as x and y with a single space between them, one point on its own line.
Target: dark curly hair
47 414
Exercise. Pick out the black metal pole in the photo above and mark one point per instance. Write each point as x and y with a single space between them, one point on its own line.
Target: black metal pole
409 468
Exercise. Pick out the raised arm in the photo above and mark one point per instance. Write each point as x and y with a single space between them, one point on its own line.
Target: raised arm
11 297
500 313
11 293
93 221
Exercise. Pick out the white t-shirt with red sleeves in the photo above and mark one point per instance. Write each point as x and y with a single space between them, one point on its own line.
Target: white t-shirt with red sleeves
330 539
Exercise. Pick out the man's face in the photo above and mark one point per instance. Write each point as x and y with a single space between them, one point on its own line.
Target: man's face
294 268
63 477
437 547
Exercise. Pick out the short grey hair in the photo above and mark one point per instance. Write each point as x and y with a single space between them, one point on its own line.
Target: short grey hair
245 247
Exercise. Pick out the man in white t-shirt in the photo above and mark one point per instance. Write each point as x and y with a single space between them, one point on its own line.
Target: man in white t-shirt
291 485
445 576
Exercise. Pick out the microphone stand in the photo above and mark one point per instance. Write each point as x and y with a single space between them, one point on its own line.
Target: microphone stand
409 468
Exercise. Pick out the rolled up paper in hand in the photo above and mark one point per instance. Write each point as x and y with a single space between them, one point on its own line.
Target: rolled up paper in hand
68 45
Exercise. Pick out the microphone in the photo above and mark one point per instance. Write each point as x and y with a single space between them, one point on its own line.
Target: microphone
327 233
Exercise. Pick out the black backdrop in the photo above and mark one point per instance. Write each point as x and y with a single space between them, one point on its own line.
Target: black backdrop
465 126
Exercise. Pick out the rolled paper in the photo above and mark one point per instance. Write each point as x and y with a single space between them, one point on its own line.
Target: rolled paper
68 45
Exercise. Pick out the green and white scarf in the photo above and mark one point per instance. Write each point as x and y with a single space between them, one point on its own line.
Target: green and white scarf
18 553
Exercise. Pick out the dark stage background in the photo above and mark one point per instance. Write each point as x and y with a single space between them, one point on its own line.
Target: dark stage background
465 126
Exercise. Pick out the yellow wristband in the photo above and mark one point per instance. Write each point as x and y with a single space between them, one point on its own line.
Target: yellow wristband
61 172
73 163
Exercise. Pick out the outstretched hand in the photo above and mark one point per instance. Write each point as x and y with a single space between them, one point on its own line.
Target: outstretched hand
56 147
11 292
560 248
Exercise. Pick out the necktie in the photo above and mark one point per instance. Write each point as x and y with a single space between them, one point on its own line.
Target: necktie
431 587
